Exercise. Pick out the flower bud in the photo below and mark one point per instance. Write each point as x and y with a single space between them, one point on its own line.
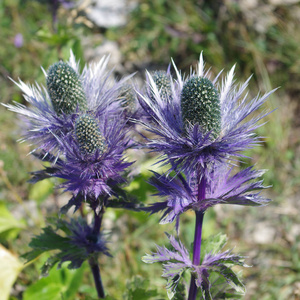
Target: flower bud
127 96
65 89
89 136
200 104
163 84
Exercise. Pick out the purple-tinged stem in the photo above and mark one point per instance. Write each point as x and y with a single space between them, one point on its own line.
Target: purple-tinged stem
97 277
197 239
93 261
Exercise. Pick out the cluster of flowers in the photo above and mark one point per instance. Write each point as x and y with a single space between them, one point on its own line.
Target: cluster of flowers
200 126
80 123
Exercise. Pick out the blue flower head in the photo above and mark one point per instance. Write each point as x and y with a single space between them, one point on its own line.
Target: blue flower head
53 110
200 129
128 100
162 80
94 156
202 121
200 104
93 163
77 123
88 135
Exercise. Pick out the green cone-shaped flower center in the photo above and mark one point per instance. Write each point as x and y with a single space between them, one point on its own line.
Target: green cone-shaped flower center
127 96
200 103
65 89
89 136
163 83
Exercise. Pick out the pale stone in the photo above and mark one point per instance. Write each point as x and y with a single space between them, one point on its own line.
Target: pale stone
264 233
109 13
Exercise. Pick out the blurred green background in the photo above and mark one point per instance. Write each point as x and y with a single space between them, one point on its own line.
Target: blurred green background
261 37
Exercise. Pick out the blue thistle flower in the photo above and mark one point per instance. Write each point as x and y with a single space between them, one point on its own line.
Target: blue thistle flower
93 161
199 131
52 111
193 133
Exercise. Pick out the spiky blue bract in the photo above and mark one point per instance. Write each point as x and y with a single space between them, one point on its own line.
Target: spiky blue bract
223 186
177 261
94 174
190 146
43 124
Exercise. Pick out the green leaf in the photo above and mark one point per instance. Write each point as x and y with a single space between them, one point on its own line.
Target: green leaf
74 283
180 292
138 289
213 244
8 221
221 290
48 240
232 278
60 284
10 268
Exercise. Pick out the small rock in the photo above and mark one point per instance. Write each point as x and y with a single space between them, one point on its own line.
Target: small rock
106 48
109 13
264 233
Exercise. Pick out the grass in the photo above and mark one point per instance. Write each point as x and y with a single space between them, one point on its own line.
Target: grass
156 31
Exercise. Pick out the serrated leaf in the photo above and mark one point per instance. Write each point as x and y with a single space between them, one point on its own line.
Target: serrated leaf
46 241
221 290
10 268
213 244
139 289
180 292
232 278
77 245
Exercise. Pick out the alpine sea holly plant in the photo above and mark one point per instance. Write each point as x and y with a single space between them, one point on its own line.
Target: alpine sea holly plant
78 126
200 126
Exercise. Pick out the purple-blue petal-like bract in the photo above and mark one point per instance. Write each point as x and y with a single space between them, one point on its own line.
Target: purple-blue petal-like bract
187 147
42 125
94 174
85 144
194 153
177 261
223 187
